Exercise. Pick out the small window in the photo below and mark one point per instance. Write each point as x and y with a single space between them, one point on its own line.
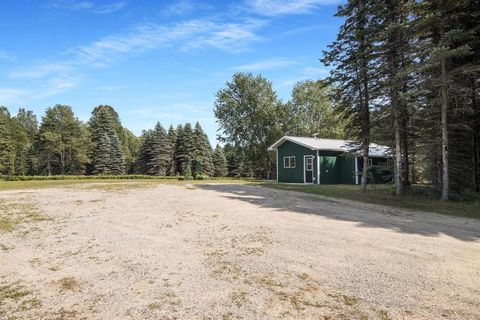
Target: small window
309 164
289 162
390 162
370 162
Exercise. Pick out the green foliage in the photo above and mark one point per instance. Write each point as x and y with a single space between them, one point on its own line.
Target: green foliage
219 163
108 155
311 111
250 116
159 152
62 143
202 153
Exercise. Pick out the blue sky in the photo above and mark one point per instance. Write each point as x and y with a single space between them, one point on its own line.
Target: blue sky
155 60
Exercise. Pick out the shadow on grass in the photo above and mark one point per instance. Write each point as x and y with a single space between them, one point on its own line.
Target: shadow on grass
364 214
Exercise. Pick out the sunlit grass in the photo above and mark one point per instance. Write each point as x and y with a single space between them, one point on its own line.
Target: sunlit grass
116 183
416 199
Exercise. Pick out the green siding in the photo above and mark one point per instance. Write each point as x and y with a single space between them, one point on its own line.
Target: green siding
294 175
336 168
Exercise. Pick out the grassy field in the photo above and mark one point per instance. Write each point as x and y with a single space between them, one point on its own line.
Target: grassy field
38 184
419 199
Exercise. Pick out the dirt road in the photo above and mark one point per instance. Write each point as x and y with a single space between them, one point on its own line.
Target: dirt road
229 252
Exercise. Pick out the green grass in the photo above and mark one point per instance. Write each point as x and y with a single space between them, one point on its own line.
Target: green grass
7 224
417 199
52 183
13 214
68 283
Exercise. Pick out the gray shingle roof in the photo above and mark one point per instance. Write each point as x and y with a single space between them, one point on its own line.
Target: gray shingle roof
376 150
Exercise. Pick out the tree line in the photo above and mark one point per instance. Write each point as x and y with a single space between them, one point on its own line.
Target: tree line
63 145
407 72
404 73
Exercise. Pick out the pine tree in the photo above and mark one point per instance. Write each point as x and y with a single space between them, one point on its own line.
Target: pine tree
159 153
219 163
104 121
447 34
117 158
102 150
234 161
353 70
202 153
5 141
180 151
61 143
184 148
171 139
143 152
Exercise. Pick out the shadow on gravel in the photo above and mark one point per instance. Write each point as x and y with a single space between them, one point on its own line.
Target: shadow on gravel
366 215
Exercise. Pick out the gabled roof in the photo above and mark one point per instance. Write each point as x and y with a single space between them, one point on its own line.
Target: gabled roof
376 150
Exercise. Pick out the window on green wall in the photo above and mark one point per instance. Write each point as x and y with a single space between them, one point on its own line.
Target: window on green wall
289 162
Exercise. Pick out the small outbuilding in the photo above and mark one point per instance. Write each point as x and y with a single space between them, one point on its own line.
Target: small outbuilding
328 161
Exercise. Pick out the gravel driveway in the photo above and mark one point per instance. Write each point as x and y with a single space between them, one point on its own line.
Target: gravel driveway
94 251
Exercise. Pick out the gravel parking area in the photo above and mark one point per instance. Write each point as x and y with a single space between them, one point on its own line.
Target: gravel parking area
134 251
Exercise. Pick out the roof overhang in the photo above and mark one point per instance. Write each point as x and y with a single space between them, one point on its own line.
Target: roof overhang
282 140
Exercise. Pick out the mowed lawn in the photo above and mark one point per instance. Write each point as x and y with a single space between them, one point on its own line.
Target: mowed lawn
228 249
418 198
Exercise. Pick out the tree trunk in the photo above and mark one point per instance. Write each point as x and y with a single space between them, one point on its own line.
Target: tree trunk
444 126
365 99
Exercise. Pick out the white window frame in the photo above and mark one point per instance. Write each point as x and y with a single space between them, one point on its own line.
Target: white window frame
309 164
389 162
289 162
370 162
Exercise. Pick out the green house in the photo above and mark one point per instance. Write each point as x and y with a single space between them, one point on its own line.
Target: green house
328 161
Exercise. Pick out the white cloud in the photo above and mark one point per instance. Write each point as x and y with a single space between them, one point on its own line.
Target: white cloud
232 37
12 95
180 7
287 7
87 6
264 65
109 8
55 86
6 56
41 71
315 73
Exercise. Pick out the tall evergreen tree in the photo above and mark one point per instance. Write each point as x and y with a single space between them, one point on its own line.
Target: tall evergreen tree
446 38
171 139
202 152
352 58
159 153
102 150
5 141
104 127
184 148
62 142
220 165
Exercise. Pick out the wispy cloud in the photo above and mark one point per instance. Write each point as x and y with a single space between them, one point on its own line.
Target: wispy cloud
315 73
43 89
180 7
87 6
57 85
264 65
6 56
287 7
190 34
12 95
40 71
109 8
306 73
